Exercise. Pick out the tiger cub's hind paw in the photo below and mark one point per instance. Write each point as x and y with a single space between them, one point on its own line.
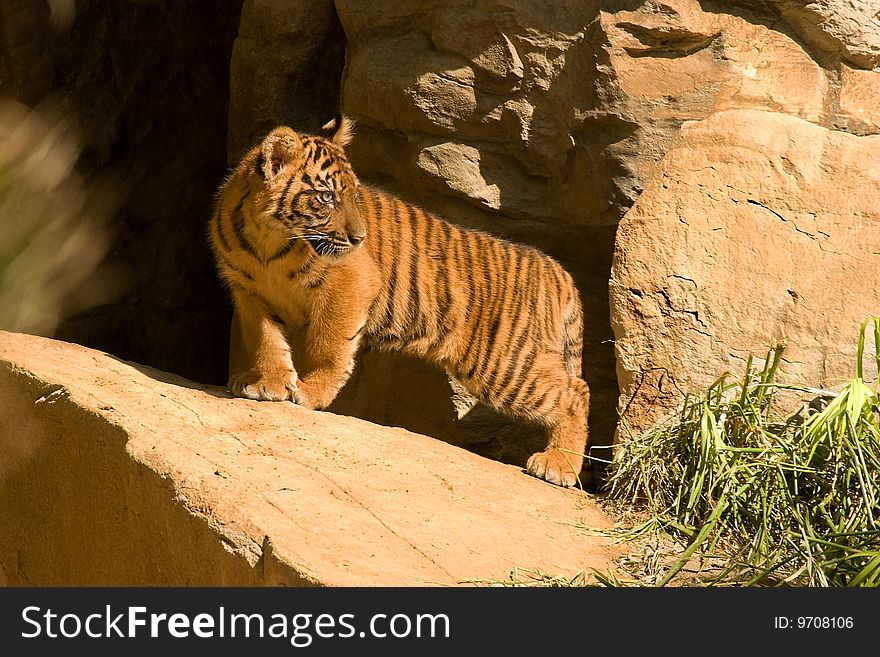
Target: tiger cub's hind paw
553 466
277 385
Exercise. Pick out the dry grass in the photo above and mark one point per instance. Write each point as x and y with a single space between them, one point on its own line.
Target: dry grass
752 497
528 577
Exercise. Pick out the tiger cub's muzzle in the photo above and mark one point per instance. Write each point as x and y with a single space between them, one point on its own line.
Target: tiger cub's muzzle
336 245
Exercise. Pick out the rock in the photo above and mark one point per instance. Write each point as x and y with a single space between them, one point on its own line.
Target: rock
483 44
675 61
759 228
847 28
117 474
860 100
285 69
497 77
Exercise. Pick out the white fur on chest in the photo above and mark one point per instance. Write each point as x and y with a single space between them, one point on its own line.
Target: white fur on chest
287 298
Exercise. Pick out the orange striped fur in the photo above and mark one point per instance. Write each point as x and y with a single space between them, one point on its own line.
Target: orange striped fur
303 246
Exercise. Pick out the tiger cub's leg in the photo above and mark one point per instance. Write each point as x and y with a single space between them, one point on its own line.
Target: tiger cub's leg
271 376
332 340
559 402
560 463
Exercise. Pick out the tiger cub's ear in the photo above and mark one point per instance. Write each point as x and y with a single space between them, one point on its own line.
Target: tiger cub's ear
341 128
280 147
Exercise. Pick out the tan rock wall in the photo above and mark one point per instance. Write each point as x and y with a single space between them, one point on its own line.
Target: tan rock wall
77 510
848 29
760 228
860 99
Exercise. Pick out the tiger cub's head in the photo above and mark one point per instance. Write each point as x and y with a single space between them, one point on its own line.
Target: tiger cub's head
310 190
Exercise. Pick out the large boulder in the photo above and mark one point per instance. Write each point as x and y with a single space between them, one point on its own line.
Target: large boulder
112 473
760 228
675 61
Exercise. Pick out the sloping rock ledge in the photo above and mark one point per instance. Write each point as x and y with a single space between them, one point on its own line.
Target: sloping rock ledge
116 474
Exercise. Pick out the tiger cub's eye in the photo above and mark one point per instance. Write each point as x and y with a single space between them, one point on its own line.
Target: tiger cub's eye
326 197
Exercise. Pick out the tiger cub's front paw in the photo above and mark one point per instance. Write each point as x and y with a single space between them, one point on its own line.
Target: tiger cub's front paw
554 466
302 398
275 385
310 395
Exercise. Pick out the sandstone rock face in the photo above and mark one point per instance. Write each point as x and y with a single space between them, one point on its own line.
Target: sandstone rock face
668 62
759 228
860 99
116 474
577 107
847 28
479 100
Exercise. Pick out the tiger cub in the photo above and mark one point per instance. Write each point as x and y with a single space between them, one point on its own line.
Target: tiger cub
304 246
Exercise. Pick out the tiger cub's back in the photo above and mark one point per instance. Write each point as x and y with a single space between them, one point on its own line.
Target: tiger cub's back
483 308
